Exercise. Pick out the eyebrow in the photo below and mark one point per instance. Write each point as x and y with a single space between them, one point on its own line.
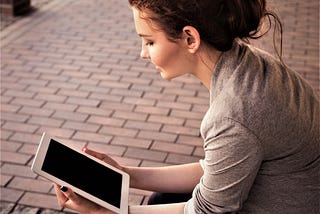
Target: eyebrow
144 35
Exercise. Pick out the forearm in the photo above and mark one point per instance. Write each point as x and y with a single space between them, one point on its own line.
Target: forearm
177 208
178 179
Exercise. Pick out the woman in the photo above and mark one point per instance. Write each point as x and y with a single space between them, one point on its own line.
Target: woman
261 131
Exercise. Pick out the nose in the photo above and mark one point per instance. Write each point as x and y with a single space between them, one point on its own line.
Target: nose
144 54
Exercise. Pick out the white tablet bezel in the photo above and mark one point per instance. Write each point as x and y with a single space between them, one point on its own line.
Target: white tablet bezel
39 160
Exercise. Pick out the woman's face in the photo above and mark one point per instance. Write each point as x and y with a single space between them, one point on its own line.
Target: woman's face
170 58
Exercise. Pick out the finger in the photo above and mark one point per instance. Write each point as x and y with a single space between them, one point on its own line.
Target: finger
62 199
102 157
98 155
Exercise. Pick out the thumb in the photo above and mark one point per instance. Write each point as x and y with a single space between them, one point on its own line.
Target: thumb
69 194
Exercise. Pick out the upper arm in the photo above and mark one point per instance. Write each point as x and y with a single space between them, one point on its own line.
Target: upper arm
233 155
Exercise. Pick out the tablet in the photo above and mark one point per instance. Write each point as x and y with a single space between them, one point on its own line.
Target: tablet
84 174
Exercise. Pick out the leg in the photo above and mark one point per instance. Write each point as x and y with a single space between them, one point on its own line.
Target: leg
167 198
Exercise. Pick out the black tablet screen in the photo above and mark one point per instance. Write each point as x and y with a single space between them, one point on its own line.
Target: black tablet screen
83 173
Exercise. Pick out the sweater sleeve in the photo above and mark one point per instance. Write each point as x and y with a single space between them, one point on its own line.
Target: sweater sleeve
232 158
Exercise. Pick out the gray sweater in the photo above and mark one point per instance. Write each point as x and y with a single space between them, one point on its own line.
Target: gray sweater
261 139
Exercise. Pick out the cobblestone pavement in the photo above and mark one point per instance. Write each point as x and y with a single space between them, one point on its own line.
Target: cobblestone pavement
72 68
7 20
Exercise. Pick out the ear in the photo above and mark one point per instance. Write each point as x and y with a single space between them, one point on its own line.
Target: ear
191 37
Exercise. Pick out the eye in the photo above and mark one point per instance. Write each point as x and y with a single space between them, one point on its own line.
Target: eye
149 43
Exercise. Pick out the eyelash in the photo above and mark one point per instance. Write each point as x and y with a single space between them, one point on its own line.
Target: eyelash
149 43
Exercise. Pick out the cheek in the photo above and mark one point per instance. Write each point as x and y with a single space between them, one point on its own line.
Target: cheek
164 56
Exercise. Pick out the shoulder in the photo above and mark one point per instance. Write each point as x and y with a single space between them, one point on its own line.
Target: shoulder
251 79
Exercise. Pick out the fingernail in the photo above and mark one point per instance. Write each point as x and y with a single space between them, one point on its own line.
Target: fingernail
84 149
63 189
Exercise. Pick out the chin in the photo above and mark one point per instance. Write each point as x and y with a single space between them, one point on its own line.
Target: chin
166 77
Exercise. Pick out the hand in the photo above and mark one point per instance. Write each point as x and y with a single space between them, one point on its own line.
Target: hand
68 199
103 157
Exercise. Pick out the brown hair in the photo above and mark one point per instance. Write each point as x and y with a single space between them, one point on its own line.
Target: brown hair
219 22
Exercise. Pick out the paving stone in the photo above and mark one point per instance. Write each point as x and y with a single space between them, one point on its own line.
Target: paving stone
25 210
151 135
92 137
172 148
125 132
181 130
105 121
30 184
143 125
40 200
126 141
6 207
166 120
181 159
4 180
145 154
9 146
10 195
14 157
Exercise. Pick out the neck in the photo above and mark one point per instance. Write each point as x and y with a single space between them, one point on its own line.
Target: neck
206 62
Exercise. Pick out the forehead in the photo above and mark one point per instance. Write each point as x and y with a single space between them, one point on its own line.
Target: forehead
143 24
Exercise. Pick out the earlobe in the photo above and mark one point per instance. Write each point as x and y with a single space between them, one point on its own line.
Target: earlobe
192 38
